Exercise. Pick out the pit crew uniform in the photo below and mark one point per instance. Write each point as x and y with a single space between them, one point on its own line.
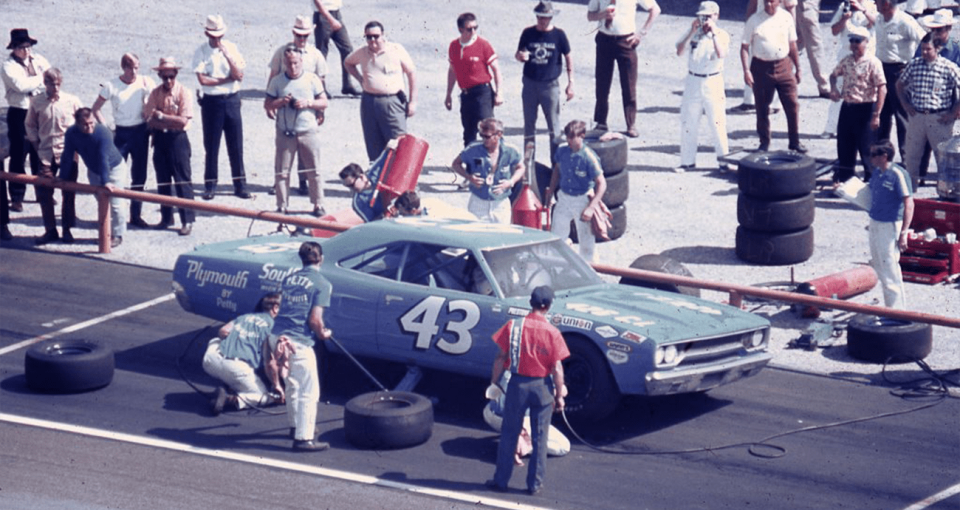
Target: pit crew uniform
367 203
484 203
578 171
235 359
534 347
703 93
887 191
302 291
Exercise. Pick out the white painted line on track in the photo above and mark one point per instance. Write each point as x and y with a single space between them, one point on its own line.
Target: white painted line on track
86 324
263 461
936 498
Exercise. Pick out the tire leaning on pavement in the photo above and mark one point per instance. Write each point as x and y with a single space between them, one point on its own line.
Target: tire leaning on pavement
68 366
882 340
661 264
774 248
767 215
388 420
776 175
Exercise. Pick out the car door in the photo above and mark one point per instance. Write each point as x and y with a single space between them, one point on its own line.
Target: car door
439 313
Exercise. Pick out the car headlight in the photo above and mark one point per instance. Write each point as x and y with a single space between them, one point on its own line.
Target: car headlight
755 339
666 355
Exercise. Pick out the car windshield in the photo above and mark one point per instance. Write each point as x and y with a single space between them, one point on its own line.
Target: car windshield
520 269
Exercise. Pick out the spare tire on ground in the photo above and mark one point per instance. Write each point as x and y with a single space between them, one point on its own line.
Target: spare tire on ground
774 248
618 189
388 419
776 175
68 366
885 340
661 264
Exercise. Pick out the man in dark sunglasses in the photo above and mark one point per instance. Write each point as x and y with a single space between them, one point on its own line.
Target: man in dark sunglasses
473 66
380 66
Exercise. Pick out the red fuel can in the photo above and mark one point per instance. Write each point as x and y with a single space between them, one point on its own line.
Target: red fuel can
528 211
403 166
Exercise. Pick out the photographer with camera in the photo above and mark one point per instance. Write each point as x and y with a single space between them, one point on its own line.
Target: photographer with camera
703 92
299 99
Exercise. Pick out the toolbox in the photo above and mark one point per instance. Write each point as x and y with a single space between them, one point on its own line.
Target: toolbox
936 260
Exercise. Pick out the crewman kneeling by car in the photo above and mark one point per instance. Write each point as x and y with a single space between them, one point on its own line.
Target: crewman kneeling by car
235 355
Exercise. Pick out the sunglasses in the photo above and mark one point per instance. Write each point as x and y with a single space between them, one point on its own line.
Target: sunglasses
371 37
487 136
168 76
471 29
856 40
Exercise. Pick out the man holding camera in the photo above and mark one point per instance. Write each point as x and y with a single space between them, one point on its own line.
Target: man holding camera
297 97
703 93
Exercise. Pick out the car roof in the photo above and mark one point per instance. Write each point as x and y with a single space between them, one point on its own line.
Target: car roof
451 232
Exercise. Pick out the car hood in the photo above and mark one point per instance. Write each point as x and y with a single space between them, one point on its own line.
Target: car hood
624 310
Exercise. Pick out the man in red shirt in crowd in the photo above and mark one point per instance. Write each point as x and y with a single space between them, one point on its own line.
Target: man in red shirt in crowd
473 65
532 349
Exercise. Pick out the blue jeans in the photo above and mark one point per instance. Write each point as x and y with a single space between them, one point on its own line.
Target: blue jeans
524 393
546 96
117 177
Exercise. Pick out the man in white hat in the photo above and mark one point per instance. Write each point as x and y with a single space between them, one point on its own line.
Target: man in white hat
314 62
928 89
617 41
864 91
168 112
543 49
703 93
219 67
940 24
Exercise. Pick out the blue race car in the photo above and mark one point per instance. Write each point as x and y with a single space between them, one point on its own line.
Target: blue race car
430 293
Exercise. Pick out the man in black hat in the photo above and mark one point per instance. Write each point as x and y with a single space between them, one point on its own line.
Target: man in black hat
22 75
532 349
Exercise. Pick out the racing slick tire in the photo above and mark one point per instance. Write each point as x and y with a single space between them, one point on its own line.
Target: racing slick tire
777 175
618 190
661 264
384 420
774 248
592 394
884 340
775 215
612 153
68 366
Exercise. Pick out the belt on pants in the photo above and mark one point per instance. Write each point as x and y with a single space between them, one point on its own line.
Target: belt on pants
380 95
698 75
475 87
931 112
240 359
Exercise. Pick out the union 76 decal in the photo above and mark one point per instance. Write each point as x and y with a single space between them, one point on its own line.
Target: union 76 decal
422 320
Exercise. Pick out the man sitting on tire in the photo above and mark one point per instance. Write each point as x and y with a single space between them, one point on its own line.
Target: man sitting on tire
532 349
237 352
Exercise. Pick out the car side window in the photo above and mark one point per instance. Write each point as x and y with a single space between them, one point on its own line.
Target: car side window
383 261
445 267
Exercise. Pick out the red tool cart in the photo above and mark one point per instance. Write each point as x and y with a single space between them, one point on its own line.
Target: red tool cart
933 261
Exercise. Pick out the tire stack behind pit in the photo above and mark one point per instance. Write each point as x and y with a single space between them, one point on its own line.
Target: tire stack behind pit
775 208
613 160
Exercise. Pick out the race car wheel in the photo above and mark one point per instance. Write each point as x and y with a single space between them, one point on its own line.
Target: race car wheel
68 366
777 175
618 189
592 392
776 215
774 248
388 419
661 264
884 340
612 153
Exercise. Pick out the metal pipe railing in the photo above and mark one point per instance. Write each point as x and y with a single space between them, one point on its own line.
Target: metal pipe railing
103 196
736 293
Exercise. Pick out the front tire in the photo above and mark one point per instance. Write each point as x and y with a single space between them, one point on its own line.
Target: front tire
592 393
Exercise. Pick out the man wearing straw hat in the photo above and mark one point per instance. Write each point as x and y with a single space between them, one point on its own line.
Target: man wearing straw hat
168 112
219 67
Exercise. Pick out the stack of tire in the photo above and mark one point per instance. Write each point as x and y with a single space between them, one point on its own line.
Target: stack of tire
613 159
775 208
